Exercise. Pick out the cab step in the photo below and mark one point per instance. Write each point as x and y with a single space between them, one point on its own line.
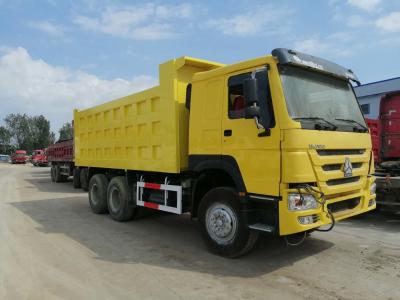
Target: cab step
262 227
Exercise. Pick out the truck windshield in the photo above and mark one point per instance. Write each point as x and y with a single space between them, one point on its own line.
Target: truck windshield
314 98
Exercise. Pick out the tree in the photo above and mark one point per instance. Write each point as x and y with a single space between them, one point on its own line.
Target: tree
29 133
5 139
5 136
40 130
66 131
19 127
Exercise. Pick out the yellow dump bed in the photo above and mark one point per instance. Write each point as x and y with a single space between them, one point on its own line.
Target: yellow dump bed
145 131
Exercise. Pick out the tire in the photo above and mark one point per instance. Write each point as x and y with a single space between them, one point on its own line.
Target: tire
120 202
84 179
232 238
52 173
76 178
57 174
98 193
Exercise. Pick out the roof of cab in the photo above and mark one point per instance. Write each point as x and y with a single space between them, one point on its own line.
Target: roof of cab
224 69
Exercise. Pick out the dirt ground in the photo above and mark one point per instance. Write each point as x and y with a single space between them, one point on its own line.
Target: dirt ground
53 247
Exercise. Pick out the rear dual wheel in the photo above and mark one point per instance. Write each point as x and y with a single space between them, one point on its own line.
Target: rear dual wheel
83 177
120 202
53 173
111 196
98 193
57 174
76 178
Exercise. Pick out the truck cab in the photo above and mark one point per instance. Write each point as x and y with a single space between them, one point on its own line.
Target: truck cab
19 157
39 157
285 130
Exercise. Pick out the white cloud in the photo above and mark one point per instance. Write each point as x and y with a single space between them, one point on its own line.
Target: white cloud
367 5
356 21
48 27
35 87
140 22
311 45
252 22
389 23
331 46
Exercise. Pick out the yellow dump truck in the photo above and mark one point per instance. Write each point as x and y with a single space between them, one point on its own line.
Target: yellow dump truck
275 144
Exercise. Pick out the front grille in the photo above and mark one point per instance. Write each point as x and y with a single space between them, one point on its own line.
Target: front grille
344 205
337 167
343 180
340 152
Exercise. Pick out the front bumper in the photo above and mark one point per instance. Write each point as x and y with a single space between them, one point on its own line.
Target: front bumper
343 205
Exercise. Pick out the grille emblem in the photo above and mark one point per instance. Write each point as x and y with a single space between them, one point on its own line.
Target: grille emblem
347 168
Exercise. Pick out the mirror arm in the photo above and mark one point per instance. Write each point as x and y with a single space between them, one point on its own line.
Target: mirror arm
258 124
266 131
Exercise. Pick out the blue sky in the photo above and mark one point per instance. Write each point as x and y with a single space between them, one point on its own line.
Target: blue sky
60 55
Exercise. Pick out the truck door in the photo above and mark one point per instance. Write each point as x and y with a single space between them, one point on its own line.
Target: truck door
258 157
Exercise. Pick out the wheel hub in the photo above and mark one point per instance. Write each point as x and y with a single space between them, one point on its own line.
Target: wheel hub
221 223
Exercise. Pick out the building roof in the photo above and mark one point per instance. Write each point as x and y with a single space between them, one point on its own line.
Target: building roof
378 87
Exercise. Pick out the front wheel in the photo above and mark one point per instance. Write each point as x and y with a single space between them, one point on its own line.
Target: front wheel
222 225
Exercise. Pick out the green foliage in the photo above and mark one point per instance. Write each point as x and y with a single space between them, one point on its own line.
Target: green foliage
5 140
66 131
29 133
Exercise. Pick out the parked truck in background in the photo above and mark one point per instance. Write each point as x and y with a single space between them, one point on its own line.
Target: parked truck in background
385 134
19 157
61 159
39 157
276 144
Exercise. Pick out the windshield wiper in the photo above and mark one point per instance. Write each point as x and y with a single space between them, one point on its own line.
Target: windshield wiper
354 122
331 125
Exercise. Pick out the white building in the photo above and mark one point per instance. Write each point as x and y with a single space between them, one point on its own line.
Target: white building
369 95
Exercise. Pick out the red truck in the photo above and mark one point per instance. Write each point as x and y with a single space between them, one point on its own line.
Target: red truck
18 157
39 157
61 158
385 134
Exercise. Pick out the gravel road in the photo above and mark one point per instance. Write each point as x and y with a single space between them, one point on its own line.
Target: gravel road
53 247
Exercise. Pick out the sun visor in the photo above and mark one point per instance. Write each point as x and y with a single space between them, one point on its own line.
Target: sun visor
292 57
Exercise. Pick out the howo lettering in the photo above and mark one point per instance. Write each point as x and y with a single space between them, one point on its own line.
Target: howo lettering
263 145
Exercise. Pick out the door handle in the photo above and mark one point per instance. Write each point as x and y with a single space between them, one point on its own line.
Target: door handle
228 132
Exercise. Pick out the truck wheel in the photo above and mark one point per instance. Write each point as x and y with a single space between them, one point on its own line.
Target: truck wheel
84 179
52 173
57 173
222 225
77 178
98 193
119 200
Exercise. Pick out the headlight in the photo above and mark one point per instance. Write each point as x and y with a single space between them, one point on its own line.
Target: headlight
372 188
301 202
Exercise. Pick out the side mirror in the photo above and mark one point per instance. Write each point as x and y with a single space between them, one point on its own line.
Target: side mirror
250 91
252 112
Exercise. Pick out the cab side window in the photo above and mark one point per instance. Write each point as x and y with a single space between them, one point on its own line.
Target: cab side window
237 102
